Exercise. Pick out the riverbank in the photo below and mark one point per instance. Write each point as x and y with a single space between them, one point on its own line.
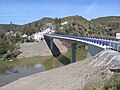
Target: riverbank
34 49
10 71
74 76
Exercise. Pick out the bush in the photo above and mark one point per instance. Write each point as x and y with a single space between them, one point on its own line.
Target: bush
7 50
113 83
3 47
92 87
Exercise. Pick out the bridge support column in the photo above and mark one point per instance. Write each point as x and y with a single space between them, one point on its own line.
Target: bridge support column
73 52
51 43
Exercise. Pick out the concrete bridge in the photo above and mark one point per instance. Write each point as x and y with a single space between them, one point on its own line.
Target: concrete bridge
95 44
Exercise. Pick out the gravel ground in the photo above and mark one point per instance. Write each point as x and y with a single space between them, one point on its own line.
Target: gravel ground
33 49
71 77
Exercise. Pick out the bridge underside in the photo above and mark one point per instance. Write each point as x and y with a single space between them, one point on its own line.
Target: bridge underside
91 49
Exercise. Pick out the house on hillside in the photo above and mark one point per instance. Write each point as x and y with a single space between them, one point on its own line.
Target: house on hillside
40 35
48 31
64 23
37 36
24 36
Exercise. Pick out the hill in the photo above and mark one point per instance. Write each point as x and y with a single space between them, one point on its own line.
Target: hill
72 25
103 26
41 24
110 25
76 25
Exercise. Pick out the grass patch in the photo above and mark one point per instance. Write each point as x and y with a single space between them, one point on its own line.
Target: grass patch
93 87
112 84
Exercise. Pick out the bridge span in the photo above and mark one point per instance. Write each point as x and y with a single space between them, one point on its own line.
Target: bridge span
95 44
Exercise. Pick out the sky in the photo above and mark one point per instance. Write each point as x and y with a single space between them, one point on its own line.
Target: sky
25 11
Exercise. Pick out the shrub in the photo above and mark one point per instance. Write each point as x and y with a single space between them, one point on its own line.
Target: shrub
113 83
92 87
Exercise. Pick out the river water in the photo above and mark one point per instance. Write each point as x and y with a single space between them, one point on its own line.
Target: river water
11 71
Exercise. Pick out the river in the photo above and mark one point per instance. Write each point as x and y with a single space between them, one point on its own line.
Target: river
11 71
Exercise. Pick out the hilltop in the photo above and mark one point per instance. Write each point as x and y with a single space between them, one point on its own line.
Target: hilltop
73 25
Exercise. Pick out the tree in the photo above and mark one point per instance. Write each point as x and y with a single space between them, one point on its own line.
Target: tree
2 35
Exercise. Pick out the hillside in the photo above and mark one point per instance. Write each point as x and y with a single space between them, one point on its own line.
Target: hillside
73 25
110 25
42 23
76 25
8 27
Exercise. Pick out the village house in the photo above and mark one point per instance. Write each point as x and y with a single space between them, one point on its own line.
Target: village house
40 35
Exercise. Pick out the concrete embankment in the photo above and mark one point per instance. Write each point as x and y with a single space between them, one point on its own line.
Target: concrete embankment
73 76
33 49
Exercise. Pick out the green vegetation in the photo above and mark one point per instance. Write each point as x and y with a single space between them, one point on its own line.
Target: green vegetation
7 50
103 26
109 25
112 84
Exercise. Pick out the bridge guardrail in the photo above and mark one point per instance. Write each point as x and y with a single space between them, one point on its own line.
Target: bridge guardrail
111 43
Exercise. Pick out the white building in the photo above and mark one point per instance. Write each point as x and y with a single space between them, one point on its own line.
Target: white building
40 35
37 36
64 23
24 36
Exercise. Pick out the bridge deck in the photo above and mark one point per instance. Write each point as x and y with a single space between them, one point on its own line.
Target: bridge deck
102 43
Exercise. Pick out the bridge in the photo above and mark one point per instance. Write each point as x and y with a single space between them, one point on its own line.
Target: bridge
95 44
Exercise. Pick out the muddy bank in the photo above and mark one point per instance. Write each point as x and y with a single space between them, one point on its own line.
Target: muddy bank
73 76
33 49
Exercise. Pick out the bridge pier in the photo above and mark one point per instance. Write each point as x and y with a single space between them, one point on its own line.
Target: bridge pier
73 52
51 43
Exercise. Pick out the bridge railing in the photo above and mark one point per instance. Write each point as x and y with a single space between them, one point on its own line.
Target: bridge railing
111 43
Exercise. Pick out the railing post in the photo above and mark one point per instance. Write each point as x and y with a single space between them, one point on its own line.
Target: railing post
110 45
118 46
73 52
113 46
